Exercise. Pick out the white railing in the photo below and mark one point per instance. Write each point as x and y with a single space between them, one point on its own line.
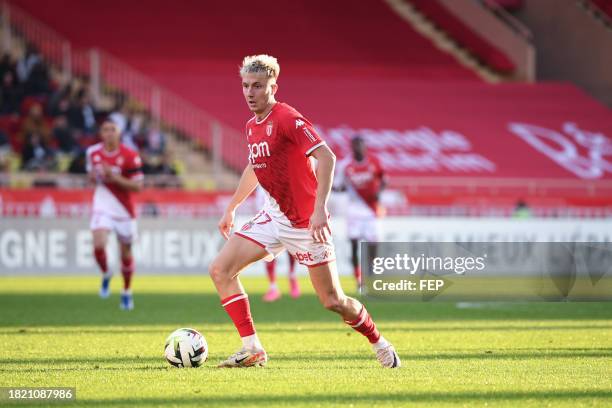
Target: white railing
108 77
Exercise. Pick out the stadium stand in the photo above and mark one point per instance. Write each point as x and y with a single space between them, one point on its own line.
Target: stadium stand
486 52
449 139
510 5
48 126
603 5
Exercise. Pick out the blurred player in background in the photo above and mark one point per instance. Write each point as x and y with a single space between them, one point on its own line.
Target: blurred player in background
117 172
274 293
363 178
294 218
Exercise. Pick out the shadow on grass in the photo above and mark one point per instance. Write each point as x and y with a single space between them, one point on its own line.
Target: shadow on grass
97 363
294 327
88 310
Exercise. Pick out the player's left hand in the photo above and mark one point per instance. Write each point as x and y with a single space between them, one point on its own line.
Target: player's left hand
319 226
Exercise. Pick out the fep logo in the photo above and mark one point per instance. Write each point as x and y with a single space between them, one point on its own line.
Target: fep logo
564 148
258 150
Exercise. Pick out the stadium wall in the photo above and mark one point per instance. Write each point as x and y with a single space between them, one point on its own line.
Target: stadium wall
63 246
503 36
572 45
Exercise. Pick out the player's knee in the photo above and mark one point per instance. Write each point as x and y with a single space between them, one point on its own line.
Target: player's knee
126 251
334 303
218 271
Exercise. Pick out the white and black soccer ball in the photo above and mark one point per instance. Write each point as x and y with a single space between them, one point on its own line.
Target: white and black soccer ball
186 348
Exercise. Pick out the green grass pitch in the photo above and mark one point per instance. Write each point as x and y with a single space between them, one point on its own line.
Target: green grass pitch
57 332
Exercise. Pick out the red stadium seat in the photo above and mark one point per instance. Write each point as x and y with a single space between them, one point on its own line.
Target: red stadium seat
487 53
604 5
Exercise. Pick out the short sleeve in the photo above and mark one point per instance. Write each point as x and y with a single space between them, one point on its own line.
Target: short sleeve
133 168
301 131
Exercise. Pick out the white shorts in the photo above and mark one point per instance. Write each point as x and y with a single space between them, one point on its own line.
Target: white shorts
275 237
125 228
364 228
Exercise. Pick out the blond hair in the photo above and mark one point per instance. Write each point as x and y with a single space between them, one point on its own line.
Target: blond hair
262 63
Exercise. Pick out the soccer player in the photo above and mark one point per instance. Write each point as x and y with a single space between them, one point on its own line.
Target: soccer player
280 142
117 172
273 293
362 176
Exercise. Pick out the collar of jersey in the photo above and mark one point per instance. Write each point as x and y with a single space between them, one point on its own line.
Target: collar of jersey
107 153
257 122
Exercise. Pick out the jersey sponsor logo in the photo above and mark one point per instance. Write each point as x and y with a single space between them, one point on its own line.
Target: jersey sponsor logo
301 257
256 150
269 127
359 178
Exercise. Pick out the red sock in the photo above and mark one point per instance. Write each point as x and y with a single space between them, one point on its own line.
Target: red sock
271 270
127 270
291 267
364 325
238 308
100 255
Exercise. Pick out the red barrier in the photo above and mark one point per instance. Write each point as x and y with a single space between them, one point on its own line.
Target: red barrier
171 204
66 203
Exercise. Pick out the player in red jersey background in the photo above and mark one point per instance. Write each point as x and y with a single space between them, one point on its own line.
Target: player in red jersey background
280 142
117 172
363 178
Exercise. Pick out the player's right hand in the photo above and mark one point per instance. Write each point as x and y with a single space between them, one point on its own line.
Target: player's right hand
226 224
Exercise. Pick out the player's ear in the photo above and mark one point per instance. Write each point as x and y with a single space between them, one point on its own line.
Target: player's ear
274 88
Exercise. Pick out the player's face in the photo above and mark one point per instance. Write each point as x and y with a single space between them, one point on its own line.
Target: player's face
258 91
358 147
109 134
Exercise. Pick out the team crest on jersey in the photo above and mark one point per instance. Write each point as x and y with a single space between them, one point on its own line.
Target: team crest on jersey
269 127
250 132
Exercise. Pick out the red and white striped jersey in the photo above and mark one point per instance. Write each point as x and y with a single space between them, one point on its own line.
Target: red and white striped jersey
279 147
109 198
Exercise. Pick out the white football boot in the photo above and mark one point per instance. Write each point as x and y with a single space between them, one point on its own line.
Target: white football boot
245 358
388 357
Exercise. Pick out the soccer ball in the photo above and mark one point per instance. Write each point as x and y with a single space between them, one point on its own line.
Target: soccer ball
186 348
